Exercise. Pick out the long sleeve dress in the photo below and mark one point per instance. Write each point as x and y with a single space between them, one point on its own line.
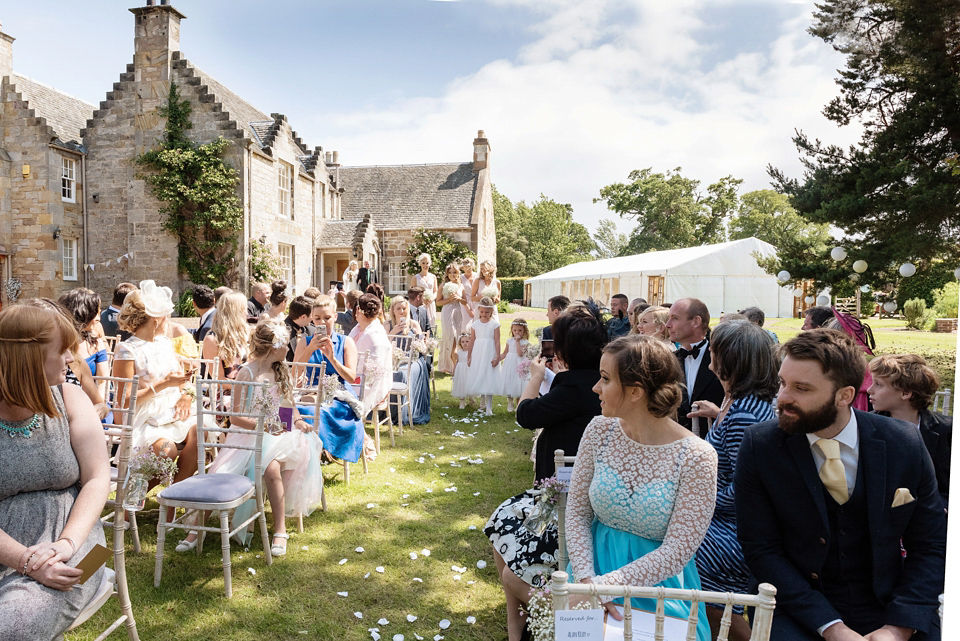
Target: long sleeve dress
637 513
720 559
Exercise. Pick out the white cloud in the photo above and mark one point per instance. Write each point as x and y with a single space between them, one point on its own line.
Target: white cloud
606 87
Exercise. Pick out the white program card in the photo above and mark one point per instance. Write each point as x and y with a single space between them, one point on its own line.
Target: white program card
578 625
564 474
644 624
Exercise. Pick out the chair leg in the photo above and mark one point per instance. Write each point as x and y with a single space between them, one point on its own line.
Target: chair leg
323 495
393 442
264 534
161 537
300 516
132 516
346 472
409 413
364 459
123 593
225 550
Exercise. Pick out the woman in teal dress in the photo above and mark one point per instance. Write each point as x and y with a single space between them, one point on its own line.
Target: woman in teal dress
335 355
643 487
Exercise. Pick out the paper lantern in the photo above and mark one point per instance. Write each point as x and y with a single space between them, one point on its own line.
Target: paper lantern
890 306
956 273
798 292
860 266
838 253
823 300
854 278
809 300
907 270
864 288
783 276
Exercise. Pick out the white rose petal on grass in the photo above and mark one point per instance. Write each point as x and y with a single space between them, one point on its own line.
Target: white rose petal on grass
379 569
398 637
344 594
425 552
456 577
470 582
367 575
252 571
411 618
481 564
359 550
473 527
359 615
374 635
304 547
413 556
471 620
444 624
383 621
342 561
370 506
429 490
405 496
417 579
420 638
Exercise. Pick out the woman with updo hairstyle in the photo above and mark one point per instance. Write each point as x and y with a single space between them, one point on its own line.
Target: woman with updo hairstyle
743 358
523 559
54 478
643 487
278 299
371 337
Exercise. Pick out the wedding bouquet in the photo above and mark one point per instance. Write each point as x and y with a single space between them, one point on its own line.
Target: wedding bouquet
523 369
490 291
429 295
450 289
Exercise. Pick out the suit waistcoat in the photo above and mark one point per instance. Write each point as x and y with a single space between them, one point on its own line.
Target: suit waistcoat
849 555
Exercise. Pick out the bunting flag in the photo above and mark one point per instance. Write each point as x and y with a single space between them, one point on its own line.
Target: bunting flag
93 266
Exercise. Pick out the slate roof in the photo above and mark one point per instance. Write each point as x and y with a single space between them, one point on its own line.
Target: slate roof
338 233
65 114
410 196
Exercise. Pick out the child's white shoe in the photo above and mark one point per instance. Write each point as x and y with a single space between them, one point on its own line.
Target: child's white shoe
463 404
509 404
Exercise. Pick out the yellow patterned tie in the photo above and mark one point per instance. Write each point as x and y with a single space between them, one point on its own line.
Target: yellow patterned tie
831 472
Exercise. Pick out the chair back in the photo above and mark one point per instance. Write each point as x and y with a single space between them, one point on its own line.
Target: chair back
942 403
307 375
359 384
764 602
404 354
213 435
560 460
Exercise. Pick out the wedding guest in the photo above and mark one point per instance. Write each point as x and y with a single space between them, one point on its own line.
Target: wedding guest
455 315
744 362
815 317
428 282
688 323
54 478
346 320
108 319
524 560
652 321
756 316
636 449
278 299
467 278
298 323
487 284
257 304
903 387
229 336
555 307
312 292
399 324
84 304
418 311
619 323
219 292
371 337
366 276
204 304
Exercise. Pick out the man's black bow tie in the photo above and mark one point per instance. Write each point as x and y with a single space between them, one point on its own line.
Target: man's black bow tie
693 351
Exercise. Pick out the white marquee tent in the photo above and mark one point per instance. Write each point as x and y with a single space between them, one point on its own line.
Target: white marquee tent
724 276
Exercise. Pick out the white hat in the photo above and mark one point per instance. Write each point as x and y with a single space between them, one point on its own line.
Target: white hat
157 301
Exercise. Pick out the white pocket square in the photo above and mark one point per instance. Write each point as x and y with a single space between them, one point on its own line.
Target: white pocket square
902 496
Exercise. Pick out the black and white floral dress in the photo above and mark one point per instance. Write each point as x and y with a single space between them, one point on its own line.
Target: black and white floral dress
530 557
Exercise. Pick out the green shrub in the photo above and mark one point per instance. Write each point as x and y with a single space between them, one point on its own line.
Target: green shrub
504 307
945 301
184 305
512 287
916 313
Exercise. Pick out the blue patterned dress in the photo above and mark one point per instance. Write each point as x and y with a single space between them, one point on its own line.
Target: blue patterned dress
637 513
720 558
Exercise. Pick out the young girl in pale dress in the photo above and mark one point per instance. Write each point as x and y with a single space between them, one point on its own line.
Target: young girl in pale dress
483 356
487 285
460 372
512 354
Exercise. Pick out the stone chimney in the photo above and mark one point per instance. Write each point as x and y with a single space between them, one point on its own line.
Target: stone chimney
481 152
6 55
156 37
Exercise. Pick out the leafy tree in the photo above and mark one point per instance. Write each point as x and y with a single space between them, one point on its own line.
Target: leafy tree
895 193
442 248
200 195
610 242
670 210
512 244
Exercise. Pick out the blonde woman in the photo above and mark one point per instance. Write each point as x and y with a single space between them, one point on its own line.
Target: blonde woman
653 322
467 278
400 324
165 418
229 336
428 282
455 315
488 285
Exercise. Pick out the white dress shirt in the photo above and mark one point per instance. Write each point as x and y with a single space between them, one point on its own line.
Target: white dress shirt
691 367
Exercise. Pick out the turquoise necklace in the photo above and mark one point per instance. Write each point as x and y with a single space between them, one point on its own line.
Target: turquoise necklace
22 428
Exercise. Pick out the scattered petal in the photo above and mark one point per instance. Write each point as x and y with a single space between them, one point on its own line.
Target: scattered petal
252 571
437 637
359 550
429 490
470 582
476 493
418 579
367 575
370 506
398 637
440 448
425 552
379 569
471 620
343 594
411 618
405 496
456 577
420 638
404 504
374 635
304 547
383 621
413 556
342 561
472 527
481 564
444 624
359 615
393 469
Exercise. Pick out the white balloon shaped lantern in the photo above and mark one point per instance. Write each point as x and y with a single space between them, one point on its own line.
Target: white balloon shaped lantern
860 266
956 273
809 300
823 300
864 288
797 293
907 270
854 278
890 306
783 276
838 253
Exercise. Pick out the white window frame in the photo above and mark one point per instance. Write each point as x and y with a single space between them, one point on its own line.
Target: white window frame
285 190
287 255
397 277
68 180
68 254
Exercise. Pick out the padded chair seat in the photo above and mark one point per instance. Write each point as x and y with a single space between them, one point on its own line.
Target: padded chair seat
399 386
209 488
104 592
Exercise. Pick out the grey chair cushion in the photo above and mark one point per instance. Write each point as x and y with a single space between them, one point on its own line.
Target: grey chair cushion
209 488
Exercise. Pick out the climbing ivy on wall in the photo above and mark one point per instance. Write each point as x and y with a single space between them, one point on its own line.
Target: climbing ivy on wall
198 190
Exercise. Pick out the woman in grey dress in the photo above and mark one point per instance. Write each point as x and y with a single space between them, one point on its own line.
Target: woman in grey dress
54 477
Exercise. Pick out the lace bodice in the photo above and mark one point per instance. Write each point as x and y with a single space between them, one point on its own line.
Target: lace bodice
153 359
658 492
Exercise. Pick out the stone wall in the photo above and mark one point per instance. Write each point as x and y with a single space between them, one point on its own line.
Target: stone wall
485 239
32 206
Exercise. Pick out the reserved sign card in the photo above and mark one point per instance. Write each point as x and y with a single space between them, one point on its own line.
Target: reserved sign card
564 474
643 625
583 625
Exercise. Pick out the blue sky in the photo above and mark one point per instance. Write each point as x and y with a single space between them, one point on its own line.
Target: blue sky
573 94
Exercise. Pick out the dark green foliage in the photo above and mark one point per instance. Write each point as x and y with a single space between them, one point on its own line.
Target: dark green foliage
200 195
512 287
184 305
929 276
442 248
896 190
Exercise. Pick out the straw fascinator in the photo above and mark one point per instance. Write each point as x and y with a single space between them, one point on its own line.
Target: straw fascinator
157 301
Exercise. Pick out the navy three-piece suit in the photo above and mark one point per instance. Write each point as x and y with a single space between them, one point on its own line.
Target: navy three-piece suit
831 561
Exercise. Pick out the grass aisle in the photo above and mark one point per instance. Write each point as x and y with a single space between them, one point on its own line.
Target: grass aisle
414 508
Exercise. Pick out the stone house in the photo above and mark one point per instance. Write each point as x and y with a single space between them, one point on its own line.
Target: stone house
456 198
42 191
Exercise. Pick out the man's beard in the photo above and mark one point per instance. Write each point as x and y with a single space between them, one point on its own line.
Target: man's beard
808 422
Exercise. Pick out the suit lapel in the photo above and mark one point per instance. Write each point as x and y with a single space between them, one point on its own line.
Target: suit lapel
799 448
873 460
702 373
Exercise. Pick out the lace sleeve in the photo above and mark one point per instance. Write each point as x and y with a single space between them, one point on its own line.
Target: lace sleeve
122 352
579 515
692 512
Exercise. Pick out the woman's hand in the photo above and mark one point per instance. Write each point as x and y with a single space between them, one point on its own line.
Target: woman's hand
610 606
173 379
102 410
303 426
58 575
496 359
36 556
704 408
537 368
325 345
557 365
182 409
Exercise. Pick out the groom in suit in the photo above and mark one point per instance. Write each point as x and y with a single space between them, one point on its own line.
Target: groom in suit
687 324
839 509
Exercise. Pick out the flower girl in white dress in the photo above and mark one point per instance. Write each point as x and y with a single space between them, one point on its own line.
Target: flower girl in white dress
483 357
513 353
460 371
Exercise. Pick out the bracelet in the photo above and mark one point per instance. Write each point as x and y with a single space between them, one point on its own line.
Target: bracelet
150 385
70 541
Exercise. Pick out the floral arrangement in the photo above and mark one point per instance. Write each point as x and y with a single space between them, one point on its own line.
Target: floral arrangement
532 352
267 403
149 464
540 608
14 285
373 371
490 291
451 289
425 345
329 386
429 295
523 369
544 513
